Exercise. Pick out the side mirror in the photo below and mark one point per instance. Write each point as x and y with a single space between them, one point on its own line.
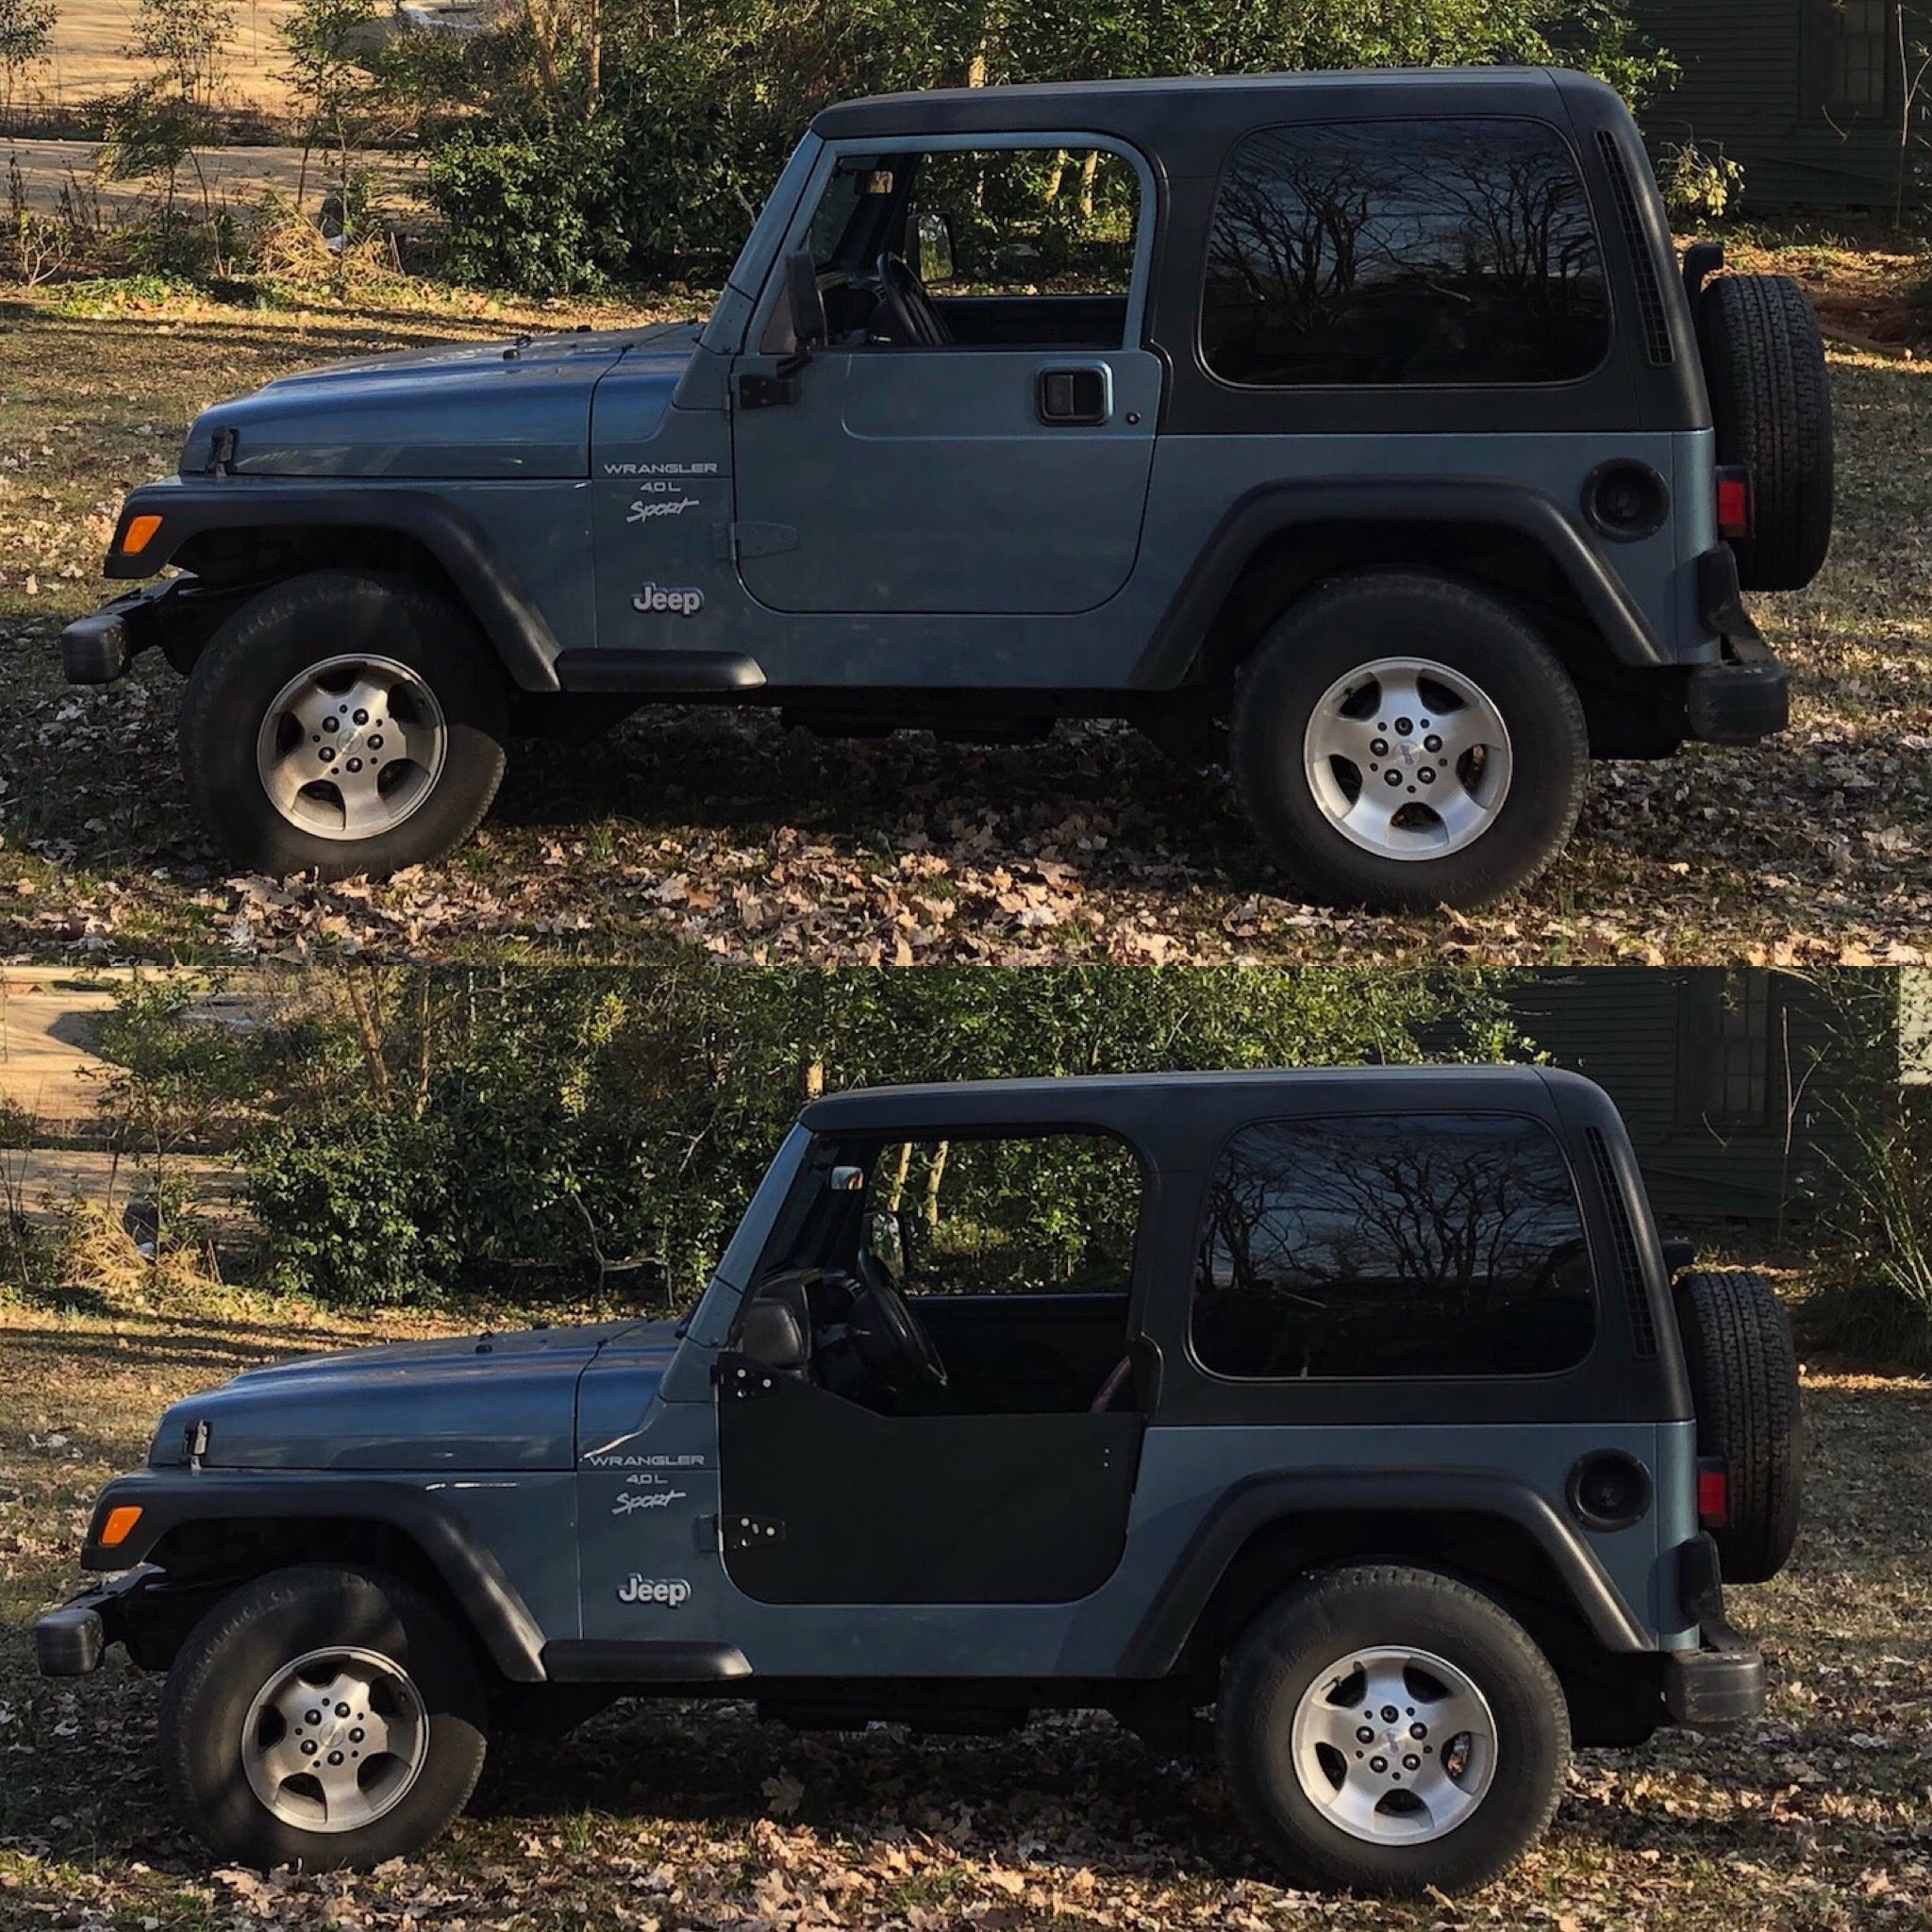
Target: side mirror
888 1234
804 303
932 235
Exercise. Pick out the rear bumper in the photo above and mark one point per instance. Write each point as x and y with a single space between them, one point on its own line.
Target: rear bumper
1747 694
1721 1681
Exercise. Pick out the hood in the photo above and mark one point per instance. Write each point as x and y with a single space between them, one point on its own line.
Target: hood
471 1402
472 409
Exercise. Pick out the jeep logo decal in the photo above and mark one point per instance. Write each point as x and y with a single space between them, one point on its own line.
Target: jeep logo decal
654 597
670 1590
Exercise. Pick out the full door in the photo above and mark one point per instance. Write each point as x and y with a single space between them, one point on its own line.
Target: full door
978 432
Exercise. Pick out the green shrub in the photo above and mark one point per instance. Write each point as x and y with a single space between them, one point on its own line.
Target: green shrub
534 210
354 1209
1874 1302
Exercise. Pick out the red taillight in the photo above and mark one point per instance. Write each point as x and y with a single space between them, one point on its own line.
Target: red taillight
1733 503
1713 1496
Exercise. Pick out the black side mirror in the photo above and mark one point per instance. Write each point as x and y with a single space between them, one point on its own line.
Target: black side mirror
804 300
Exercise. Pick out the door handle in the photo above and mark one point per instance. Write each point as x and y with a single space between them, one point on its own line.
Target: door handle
1070 396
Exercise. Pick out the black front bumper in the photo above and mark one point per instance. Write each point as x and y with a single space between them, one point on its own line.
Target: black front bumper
1721 1681
98 648
1747 694
69 1642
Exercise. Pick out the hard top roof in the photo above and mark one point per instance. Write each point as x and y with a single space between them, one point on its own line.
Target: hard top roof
1181 102
1101 1097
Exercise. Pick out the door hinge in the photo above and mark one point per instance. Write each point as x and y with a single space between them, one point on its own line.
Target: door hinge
745 1381
757 390
753 1532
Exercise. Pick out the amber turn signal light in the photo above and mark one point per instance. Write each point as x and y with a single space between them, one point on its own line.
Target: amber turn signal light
119 1524
138 535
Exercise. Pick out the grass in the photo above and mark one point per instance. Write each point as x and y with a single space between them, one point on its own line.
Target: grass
698 829
1816 1819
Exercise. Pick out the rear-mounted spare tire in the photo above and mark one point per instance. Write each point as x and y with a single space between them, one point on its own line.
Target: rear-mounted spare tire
1771 404
1743 1372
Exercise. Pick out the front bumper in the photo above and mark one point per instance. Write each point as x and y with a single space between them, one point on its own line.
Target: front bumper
98 648
69 1642
1721 1681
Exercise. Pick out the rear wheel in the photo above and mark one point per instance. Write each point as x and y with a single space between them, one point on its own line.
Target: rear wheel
1771 405
1743 1370
323 1718
342 723
1404 741
1390 1730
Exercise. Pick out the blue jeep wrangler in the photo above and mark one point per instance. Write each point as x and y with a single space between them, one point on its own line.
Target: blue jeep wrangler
1358 1408
1362 429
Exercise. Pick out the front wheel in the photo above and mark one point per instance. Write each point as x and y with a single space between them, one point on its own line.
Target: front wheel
1389 1729
323 1718
343 722
1403 742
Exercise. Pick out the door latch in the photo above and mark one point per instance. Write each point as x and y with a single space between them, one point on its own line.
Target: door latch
1075 395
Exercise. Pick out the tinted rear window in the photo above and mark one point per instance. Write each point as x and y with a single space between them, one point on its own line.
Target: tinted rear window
1404 252
1393 1245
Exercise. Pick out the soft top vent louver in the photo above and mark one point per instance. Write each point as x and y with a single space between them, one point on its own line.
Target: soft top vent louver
1650 295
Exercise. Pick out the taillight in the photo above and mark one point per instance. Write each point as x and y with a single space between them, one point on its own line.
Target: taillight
1713 1495
1733 503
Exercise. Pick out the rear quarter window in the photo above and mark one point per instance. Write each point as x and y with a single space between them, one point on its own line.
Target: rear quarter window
1404 252
1393 1245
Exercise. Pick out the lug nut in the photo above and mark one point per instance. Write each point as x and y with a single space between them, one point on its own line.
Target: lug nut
1432 742
1418 1730
313 1717
1395 777
376 742
330 724
1389 1714
327 754
355 764
1380 748
1412 1762
355 1736
1403 727
309 1747
1427 776
335 1757
361 717
1378 1764
1363 1735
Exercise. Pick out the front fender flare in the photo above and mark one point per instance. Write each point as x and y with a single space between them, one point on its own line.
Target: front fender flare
1169 1618
190 508
169 1499
1272 508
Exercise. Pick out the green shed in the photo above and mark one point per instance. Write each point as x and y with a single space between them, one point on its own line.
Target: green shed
1744 1090
1806 96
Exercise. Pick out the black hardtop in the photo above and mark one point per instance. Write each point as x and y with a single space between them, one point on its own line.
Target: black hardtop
1146 1107
1195 113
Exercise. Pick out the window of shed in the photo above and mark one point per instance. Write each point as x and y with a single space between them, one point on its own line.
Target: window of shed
1404 252
1389 1246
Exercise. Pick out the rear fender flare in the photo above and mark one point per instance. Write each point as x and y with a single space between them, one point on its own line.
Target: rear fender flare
518 630
1169 1620
498 1614
1173 653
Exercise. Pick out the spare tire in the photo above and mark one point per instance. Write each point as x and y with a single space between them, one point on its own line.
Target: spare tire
1744 1373
1771 404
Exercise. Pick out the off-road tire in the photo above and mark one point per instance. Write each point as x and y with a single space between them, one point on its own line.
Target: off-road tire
1771 404
240 1645
305 621
1350 622
1299 1635
1743 1369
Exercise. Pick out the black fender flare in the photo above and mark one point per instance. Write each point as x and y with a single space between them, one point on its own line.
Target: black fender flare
169 1501
189 508
1271 508
1169 1618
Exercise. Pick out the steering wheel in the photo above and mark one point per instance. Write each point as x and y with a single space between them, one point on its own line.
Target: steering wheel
886 1332
914 320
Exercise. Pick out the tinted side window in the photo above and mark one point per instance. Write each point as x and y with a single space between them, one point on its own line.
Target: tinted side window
1391 1245
1405 252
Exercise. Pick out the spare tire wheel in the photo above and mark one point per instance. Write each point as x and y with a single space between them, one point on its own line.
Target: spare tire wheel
1743 1372
1771 405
